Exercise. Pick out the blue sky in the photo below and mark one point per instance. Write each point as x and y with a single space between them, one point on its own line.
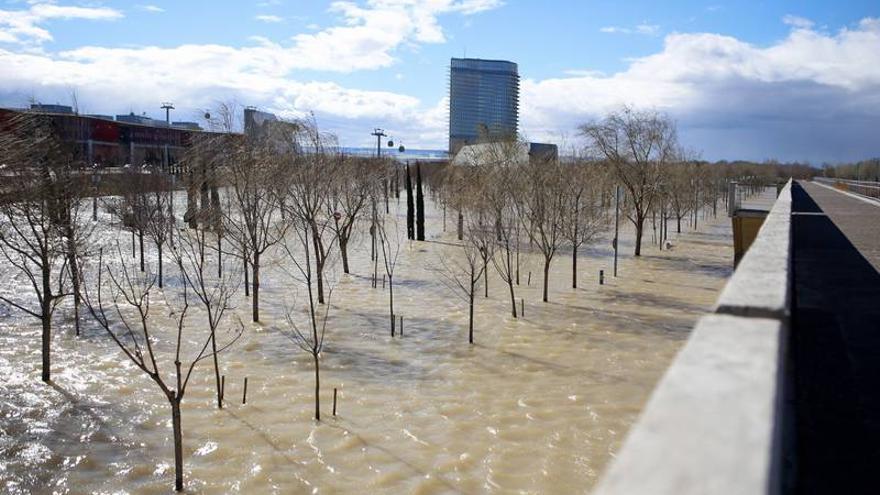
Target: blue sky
785 80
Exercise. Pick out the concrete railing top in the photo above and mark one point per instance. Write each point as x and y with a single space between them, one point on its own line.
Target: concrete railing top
712 424
761 284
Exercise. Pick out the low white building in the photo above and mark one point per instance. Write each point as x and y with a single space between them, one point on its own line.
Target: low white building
504 153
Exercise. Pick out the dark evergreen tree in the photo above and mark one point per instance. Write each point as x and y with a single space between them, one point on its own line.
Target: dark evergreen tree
410 231
420 205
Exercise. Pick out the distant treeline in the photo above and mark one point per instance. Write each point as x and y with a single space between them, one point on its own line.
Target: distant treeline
863 170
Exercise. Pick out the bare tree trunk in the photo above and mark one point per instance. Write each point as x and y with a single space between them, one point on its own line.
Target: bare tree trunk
256 286
320 272
219 255
47 337
46 313
317 389
471 313
385 189
178 445
460 225
343 251
216 369
74 267
485 277
654 227
319 262
546 278
517 258
640 226
246 283
391 302
574 267
510 287
160 265
141 243
74 279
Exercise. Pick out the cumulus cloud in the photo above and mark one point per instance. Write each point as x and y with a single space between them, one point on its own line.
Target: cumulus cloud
797 21
643 28
268 18
368 36
24 26
151 8
812 94
818 90
265 73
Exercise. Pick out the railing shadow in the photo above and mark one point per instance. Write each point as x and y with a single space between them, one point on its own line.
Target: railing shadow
835 357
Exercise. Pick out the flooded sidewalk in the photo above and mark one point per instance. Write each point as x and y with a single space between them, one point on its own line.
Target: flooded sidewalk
539 404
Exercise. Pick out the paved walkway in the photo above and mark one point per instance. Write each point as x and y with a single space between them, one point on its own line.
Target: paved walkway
762 201
835 342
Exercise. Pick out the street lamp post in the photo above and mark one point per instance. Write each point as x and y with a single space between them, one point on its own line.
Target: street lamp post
96 180
616 224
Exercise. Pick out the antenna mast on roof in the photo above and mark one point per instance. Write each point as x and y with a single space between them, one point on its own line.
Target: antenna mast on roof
167 106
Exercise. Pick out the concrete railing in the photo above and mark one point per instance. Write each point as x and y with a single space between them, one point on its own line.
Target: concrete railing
865 188
713 423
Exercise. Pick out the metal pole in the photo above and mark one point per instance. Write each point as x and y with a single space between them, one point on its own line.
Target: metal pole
379 133
616 224
171 210
95 179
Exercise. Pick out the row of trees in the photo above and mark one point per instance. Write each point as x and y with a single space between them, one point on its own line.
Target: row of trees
507 206
865 170
288 191
287 188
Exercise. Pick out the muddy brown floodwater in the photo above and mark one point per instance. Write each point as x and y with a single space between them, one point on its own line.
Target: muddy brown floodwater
538 405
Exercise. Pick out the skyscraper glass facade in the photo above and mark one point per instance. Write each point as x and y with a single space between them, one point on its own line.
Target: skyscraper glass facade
483 100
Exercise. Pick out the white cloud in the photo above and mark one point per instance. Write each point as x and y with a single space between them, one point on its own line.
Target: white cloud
810 93
151 8
797 22
643 28
269 18
648 29
584 72
23 26
707 80
368 35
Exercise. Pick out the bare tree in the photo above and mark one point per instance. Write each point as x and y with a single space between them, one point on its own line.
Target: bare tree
311 177
126 317
192 254
351 196
678 191
541 205
158 220
251 211
389 239
584 215
506 259
637 144
30 213
461 273
309 337
132 208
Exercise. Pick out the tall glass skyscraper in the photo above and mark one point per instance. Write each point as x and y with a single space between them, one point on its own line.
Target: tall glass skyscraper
483 101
